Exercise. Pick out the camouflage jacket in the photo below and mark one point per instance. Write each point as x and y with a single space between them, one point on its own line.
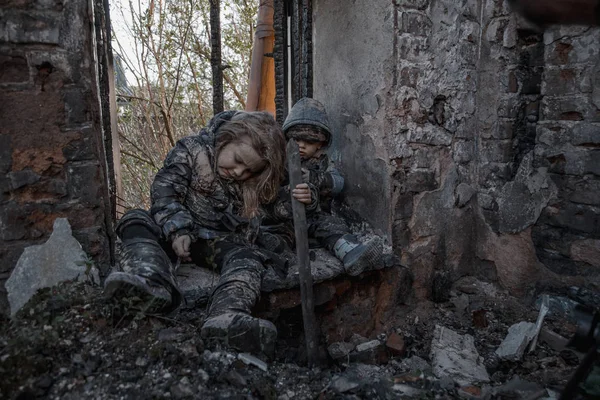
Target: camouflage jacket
189 198
325 177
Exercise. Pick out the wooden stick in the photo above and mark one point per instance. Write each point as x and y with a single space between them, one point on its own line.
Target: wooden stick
301 231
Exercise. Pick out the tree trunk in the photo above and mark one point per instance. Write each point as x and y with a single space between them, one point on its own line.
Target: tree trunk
215 55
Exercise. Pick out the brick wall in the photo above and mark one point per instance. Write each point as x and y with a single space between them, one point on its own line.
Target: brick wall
52 155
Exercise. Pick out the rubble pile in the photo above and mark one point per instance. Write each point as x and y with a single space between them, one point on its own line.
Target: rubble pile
69 342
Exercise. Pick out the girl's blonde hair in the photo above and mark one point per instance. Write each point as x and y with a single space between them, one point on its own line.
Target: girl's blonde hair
268 141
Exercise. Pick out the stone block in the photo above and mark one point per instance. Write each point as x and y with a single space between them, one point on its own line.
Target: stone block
85 183
569 109
577 218
587 251
4 189
413 49
12 222
76 107
18 179
415 23
404 206
586 192
584 134
425 157
532 81
464 193
65 67
463 151
582 162
496 151
13 69
409 76
420 181
569 80
508 107
59 259
5 154
430 135
30 27
573 50
400 235
83 149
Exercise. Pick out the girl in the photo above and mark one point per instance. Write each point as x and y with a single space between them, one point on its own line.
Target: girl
209 201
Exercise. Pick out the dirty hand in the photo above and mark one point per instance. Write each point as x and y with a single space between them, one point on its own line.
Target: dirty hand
181 247
302 193
305 175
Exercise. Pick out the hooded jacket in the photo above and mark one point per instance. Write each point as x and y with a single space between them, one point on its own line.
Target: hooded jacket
189 198
321 170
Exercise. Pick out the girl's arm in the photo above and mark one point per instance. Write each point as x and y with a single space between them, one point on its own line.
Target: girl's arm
169 190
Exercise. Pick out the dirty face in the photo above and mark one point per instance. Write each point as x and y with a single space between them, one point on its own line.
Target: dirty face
307 148
239 161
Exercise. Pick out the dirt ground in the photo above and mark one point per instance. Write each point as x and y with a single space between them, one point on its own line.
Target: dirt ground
71 343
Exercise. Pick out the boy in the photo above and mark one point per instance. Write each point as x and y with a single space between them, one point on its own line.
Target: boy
307 123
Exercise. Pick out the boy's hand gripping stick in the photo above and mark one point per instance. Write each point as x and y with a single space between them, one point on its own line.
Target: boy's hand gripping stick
301 232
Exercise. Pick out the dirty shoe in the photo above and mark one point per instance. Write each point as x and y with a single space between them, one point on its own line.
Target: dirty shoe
242 332
358 257
138 293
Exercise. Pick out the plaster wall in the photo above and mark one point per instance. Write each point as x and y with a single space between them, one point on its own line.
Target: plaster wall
353 63
468 136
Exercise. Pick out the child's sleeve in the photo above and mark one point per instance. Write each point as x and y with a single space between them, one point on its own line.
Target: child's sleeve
327 179
169 190
283 204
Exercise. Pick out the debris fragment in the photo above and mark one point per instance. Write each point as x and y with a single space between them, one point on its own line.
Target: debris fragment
372 352
455 356
539 322
340 350
251 360
395 345
514 344
60 259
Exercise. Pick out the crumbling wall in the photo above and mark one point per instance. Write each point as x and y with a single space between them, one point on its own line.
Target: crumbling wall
468 135
52 154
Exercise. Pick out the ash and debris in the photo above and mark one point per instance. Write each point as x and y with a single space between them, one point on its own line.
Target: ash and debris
69 342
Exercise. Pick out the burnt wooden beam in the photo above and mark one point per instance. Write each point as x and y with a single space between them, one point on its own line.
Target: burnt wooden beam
301 232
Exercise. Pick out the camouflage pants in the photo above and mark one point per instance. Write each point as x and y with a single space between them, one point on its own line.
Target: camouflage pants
241 267
326 228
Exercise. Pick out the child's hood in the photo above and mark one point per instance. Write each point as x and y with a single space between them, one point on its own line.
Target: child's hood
307 111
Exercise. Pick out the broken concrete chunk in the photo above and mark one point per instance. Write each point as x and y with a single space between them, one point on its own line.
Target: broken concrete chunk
553 339
340 350
455 356
395 345
60 259
520 389
372 352
514 344
342 384
415 363
251 360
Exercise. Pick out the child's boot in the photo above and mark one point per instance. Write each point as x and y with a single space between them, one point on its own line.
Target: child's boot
358 257
229 320
146 280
